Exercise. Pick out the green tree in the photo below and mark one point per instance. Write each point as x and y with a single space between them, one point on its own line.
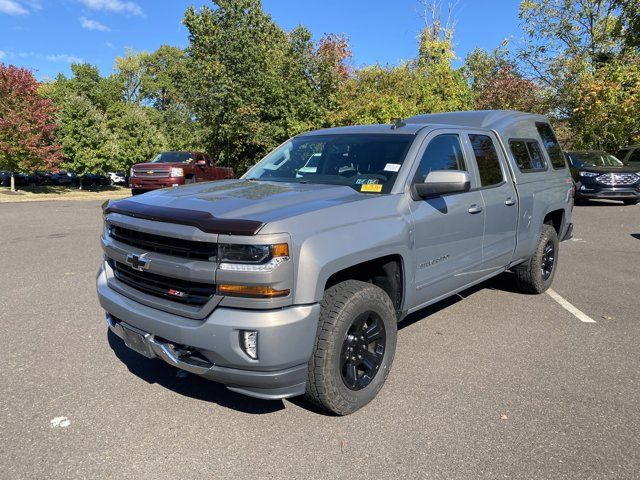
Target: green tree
87 144
135 135
251 84
164 76
130 72
583 51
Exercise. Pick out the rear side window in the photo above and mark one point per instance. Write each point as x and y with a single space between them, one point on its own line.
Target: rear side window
622 154
551 145
635 156
487 160
443 153
528 155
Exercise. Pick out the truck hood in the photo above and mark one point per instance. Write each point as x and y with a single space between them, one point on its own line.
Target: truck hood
251 200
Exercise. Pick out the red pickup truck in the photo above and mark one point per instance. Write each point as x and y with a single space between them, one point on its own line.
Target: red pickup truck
170 169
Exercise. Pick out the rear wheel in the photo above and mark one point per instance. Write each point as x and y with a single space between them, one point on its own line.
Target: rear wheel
536 274
631 201
135 191
354 348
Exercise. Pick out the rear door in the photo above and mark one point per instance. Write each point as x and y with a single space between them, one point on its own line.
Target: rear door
447 236
499 197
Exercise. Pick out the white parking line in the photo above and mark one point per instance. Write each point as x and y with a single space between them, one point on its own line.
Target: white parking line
583 317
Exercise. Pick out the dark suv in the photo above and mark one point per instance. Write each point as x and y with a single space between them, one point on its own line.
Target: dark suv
600 175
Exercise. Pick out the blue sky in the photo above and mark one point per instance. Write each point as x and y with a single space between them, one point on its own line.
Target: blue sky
48 35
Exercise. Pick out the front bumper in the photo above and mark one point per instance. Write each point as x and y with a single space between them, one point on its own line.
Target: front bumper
285 341
139 183
592 190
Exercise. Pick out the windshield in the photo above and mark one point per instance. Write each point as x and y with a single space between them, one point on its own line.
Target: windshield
173 157
366 162
594 159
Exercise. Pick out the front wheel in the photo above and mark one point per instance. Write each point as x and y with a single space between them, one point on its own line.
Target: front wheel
354 347
536 274
631 201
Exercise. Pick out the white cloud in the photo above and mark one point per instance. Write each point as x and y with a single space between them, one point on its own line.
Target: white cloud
63 57
2 54
109 45
116 6
11 7
93 25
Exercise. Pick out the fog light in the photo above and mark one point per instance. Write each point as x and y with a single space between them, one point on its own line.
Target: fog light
249 343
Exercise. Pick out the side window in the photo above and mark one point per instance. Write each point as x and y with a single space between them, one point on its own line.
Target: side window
528 155
635 156
487 160
622 154
551 145
443 153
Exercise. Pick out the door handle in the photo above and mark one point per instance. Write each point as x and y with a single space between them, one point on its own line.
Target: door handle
475 209
509 202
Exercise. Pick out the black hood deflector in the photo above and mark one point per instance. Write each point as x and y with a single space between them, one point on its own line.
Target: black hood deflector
201 220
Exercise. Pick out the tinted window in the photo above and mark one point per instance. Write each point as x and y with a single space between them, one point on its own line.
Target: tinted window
622 153
487 160
635 156
551 145
366 162
527 154
443 153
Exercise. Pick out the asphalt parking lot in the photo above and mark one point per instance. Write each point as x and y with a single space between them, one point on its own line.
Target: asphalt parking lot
489 384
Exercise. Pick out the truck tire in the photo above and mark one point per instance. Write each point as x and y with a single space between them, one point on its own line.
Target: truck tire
631 201
354 347
536 274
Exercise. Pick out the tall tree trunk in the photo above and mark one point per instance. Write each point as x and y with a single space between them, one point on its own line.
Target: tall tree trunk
13 182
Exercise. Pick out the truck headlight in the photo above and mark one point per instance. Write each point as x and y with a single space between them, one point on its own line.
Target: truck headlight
177 172
131 172
589 174
252 258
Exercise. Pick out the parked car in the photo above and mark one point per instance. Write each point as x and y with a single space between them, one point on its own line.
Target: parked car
5 179
170 169
630 155
62 179
600 175
277 286
40 178
117 178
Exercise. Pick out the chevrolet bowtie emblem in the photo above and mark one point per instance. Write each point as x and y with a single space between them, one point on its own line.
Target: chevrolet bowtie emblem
138 262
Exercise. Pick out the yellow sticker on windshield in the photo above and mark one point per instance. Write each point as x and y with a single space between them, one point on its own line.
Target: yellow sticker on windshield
370 187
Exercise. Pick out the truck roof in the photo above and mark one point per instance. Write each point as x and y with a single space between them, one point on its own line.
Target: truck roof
483 119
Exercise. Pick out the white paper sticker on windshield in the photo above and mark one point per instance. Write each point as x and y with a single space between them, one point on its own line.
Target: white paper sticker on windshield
392 167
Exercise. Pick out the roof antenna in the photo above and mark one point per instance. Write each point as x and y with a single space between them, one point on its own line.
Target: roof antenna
398 123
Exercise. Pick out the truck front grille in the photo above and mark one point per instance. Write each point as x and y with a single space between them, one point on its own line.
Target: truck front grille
150 173
618 179
183 291
176 247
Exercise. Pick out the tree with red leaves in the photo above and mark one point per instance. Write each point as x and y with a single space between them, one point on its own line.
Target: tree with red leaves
26 124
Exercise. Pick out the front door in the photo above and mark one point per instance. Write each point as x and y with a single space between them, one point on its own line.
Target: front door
201 171
448 230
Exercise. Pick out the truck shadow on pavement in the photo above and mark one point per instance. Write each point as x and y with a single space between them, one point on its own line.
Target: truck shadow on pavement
504 282
193 386
183 383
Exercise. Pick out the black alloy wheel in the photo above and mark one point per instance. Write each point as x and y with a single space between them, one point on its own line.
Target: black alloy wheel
548 260
363 350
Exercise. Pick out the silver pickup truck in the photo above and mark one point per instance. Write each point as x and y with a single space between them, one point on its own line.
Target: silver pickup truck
291 280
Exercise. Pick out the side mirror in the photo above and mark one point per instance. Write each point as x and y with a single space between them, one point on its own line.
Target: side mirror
201 163
440 183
